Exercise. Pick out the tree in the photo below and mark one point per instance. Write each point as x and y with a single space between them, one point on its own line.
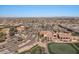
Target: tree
12 31
2 37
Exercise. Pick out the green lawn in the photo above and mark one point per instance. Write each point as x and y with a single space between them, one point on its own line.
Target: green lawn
61 48
56 48
35 50
77 44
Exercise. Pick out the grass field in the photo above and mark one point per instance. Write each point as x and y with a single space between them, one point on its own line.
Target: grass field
34 50
77 44
59 48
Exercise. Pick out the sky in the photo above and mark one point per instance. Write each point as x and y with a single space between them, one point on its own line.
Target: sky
39 10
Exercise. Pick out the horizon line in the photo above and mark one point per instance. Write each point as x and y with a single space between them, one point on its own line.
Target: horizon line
38 16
